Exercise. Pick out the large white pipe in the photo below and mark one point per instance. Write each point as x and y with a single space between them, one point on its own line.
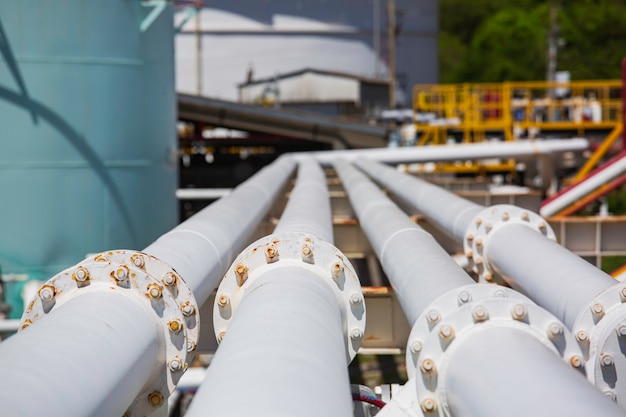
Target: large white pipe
417 266
487 150
583 188
283 351
201 248
502 371
308 210
91 357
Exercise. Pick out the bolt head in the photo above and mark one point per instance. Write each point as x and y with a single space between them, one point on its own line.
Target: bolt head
121 273
606 359
479 221
306 250
479 242
488 227
175 365
46 293
464 297
416 346
81 274
623 294
355 298
433 316
446 332
188 309
525 216
469 237
191 345
337 269
428 405
597 309
488 276
505 216
155 398
241 271
175 325
621 330
480 313
169 279
356 334
555 329
155 291
582 336
138 260
223 300
427 365
576 361
518 312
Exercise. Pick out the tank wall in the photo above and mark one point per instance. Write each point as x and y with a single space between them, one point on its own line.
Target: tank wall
87 131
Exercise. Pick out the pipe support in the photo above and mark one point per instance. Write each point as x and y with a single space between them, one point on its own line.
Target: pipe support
303 251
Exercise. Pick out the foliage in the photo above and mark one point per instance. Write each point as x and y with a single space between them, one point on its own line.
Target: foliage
494 40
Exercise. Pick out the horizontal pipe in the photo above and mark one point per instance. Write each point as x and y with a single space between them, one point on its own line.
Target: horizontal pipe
503 150
202 193
100 349
548 273
417 267
502 371
551 275
448 212
308 209
201 248
285 346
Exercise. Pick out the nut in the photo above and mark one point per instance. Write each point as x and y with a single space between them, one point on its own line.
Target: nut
525 216
427 366
155 291
480 313
336 270
81 274
606 359
576 361
446 332
138 260
555 329
155 398
220 336
271 254
355 298
505 216
416 346
175 325
433 316
597 309
191 345
518 312
188 309
464 297
46 293
356 334
241 271
223 300
169 279
428 405
121 273
176 364
621 330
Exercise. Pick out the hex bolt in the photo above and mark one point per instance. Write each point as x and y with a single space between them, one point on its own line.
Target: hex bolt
155 291
479 221
446 332
469 254
480 313
488 276
433 316
606 359
555 330
464 297
610 394
582 336
416 346
505 216
428 405
488 227
155 398
478 260
337 269
356 334
479 242
220 336
169 279
469 237
121 273
355 298
176 364
241 271
191 345
188 309
623 294
541 226
81 274
525 216
427 366
597 309
518 312
576 361
621 330
46 293
175 325
223 300
271 254
138 260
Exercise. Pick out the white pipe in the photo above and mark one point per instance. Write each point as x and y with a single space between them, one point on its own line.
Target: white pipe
583 188
418 268
308 210
503 372
202 193
9 325
504 150
283 354
100 349
201 248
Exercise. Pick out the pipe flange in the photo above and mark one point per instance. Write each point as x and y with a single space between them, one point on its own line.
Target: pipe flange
473 317
444 305
148 281
294 249
475 243
601 332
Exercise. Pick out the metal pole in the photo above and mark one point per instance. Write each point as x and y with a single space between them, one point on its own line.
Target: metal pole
92 357
503 372
454 355
201 248
308 210
409 255
466 151
283 348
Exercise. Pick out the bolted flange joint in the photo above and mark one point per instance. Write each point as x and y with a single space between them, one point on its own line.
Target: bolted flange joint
430 347
600 329
485 224
294 249
156 286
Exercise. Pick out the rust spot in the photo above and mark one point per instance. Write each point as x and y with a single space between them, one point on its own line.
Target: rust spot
155 398
241 271
100 258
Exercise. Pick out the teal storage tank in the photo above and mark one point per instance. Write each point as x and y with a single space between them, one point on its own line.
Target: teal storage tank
87 130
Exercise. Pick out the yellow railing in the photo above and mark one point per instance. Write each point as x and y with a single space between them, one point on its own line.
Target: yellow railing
514 108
